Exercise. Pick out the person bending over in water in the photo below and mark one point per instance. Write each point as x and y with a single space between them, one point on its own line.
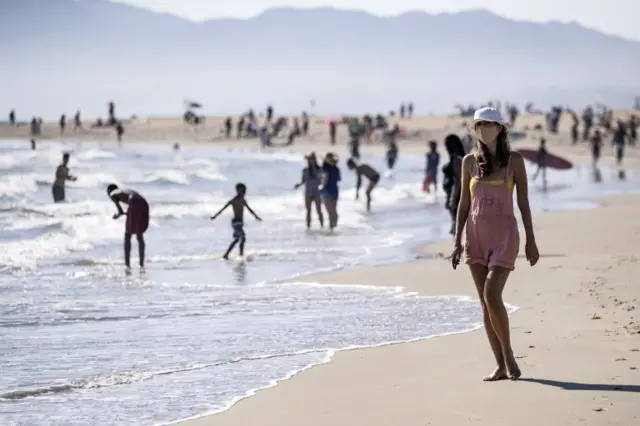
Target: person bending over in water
238 203
137 219
62 176
492 239
311 181
368 172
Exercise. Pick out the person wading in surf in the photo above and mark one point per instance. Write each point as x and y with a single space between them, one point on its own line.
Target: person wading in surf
492 239
311 181
137 219
368 172
238 203
62 176
329 187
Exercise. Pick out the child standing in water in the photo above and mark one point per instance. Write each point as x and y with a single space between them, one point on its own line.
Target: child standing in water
368 172
492 238
431 172
238 203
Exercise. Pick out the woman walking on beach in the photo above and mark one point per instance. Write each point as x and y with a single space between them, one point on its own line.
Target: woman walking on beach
492 239
452 175
329 187
311 181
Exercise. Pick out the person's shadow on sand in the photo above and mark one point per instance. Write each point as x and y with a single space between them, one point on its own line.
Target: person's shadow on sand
572 386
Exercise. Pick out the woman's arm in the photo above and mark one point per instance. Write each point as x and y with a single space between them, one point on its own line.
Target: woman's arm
302 181
520 177
465 196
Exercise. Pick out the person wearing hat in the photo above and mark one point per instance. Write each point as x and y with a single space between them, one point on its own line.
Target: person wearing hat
137 219
329 190
486 215
311 181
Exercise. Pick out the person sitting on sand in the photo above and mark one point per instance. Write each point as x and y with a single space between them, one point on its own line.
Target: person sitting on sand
329 187
492 238
137 219
368 172
62 176
238 203
311 181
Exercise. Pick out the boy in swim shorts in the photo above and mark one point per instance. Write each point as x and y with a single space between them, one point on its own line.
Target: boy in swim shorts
367 171
137 219
238 203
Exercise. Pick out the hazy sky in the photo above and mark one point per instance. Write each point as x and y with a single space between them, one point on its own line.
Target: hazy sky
618 17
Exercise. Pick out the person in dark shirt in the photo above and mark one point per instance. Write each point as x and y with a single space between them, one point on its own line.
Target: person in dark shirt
431 171
329 190
541 160
619 140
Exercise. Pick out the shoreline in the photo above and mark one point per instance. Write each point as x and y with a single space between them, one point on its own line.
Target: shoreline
252 410
245 409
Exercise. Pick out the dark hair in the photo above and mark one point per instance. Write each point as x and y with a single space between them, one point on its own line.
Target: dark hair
241 187
350 163
111 187
488 163
454 146
65 155
433 144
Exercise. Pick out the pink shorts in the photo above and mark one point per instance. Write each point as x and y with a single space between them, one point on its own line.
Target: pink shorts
492 242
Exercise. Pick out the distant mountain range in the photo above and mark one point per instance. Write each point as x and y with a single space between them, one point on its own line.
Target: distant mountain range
68 54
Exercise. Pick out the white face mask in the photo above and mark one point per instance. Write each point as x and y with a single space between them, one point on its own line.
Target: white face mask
488 134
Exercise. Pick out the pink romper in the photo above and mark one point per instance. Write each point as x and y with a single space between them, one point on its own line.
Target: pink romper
492 229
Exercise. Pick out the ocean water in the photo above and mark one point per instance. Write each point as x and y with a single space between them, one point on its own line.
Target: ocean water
85 342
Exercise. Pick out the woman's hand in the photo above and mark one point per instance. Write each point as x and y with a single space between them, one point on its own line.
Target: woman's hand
456 254
531 251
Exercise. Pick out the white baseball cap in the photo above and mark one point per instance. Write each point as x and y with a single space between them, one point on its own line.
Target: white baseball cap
488 114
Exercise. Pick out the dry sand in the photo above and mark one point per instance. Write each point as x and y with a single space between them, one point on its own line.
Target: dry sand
577 334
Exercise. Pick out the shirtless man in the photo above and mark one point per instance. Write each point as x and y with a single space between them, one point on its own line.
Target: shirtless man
238 203
368 172
137 219
62 175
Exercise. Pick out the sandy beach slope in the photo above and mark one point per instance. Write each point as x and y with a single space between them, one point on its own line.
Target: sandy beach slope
576 335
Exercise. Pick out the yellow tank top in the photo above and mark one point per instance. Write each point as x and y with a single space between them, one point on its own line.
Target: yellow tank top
474 180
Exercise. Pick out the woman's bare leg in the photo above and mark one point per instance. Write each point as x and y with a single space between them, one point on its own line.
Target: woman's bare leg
318 203
496 280
307 206
479 274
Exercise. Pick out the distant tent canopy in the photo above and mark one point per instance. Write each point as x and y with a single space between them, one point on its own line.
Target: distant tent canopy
192 104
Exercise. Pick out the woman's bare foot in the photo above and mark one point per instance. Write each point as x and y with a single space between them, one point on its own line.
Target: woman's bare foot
512 367
500 373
